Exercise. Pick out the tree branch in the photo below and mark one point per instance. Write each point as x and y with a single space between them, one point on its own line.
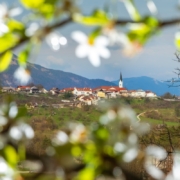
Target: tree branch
25 39
161 24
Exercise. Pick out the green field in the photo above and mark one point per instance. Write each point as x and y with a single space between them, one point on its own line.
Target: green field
61 116
158 121
47 120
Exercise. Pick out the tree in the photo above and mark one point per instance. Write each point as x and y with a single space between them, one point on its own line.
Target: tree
168 95
103 146
68 95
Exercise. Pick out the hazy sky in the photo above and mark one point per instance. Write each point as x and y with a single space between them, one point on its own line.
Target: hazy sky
156 60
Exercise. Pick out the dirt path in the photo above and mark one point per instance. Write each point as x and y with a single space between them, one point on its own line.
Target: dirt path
138 116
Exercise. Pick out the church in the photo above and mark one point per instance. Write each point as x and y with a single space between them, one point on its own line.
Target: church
120 81
110 91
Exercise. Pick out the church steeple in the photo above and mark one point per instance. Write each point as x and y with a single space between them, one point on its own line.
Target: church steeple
121 81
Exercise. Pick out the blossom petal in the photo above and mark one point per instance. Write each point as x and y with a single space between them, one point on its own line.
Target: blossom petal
3 29
22 75
94 59
79 36
82 51
101 41
3 10
104 52
15 11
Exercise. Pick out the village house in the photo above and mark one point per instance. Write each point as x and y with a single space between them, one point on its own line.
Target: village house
88 100
82 91
34 89
138 93
150 94
132 93
23 88
7 89
109 91
66 90
101 94
54 91
43 90
77 91
141 94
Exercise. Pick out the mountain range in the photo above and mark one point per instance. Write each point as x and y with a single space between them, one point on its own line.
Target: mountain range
50 78
56 78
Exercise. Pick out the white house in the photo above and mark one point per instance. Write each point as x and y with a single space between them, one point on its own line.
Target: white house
82 91
150 94
88 100
138 93
34 89
43 90
8 89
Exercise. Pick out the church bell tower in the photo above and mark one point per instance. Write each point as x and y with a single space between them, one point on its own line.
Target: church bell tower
120 81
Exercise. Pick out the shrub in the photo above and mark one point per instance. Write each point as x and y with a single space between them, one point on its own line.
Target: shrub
177 111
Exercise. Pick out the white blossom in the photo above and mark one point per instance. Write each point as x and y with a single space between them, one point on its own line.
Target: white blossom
20 131
129 48
92 49
6 172
22 75
33 27
3 28
152 7
5 13
55 41
132 48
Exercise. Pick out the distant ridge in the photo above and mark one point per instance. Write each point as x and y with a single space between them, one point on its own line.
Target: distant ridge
50 78
147 83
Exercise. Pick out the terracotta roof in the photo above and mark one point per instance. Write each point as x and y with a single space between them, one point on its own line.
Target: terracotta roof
24 87
130 91
67 89
109 88
84 89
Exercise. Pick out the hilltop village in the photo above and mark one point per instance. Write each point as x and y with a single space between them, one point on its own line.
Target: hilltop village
85 95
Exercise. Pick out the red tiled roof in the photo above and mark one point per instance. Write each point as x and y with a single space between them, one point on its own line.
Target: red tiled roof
130 91
24 87
67 89
109 88
84 89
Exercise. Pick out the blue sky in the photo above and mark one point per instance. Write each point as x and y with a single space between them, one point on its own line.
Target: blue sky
156 60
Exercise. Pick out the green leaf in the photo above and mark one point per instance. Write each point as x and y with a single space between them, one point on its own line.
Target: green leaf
94 34
87 174
32 3
15 25
5 61
23 57
102 134
7 41
11 155
177 40
141 32
99 18
151 22
47 10
76 151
